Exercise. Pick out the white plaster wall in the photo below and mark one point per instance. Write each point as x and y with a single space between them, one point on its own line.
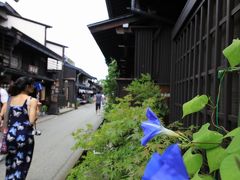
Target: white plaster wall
31 29
55 48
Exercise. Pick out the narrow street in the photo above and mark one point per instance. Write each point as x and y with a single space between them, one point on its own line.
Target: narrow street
53 157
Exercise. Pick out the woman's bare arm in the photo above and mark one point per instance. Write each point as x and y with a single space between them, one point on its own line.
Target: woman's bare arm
32 111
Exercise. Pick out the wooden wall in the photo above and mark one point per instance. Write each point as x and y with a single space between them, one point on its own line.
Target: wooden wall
197 57
153 53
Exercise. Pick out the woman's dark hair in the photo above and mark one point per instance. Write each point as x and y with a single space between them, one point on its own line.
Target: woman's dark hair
20 85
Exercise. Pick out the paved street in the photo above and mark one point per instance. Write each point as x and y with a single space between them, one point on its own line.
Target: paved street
53 156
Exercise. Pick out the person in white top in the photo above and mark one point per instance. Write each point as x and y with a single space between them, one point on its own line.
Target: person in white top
3 101
3 109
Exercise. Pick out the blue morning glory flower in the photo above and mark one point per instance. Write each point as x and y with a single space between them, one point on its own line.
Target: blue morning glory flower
168 166
152 127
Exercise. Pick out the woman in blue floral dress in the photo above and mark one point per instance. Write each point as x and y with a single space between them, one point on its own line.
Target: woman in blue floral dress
20 140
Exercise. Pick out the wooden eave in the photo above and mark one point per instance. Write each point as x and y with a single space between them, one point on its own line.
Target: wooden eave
183 16
79 69
105 35
57 44
117 8
23 73
112 23
31 42
9 9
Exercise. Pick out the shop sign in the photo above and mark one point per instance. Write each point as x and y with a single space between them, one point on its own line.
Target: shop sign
32 69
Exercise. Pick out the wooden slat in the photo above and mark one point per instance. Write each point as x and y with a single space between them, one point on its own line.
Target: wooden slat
200 58
227 85
208 45
216 55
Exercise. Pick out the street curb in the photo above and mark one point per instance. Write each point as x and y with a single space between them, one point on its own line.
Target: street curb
63 172
63 112
75 158
51 116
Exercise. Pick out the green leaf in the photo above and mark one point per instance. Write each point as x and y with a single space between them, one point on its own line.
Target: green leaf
229 169
215 157
206 139
194 105
193 162
233 133
232 53
202 177
234 145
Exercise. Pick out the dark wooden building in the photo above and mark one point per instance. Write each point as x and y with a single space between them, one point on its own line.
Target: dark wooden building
138 36
21 55
203 30
178 43
77 83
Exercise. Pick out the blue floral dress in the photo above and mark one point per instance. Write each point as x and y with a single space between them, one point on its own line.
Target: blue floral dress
20 142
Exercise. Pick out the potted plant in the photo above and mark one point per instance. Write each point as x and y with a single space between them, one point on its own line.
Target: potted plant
44 109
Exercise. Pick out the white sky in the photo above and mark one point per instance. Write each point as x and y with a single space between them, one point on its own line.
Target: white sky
69 20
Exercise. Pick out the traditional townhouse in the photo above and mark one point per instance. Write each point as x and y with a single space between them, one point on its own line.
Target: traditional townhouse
23 53
73 80
77 84
138 36
58 88
180 44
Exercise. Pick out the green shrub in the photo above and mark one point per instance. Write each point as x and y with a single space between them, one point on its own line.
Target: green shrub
144 88
114 150
110 83
44 108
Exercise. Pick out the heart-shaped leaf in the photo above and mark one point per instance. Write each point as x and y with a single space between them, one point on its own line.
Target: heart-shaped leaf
215 157
229 169
233 133
234 146
193 162
232 53
194 105
206 139
202 177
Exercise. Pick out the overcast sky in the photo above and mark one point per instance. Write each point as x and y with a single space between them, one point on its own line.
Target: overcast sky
69 20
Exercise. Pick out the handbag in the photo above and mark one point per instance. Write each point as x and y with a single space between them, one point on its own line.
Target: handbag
3 144
3 138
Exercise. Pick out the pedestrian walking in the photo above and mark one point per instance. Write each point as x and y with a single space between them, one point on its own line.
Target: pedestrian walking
20 139
98 99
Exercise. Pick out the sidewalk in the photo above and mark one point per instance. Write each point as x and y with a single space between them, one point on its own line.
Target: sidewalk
45 118
48 117
64 110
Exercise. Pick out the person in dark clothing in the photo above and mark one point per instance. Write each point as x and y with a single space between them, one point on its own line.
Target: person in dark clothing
20 139
98 102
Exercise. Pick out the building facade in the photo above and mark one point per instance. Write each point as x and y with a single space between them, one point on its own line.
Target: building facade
181 48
